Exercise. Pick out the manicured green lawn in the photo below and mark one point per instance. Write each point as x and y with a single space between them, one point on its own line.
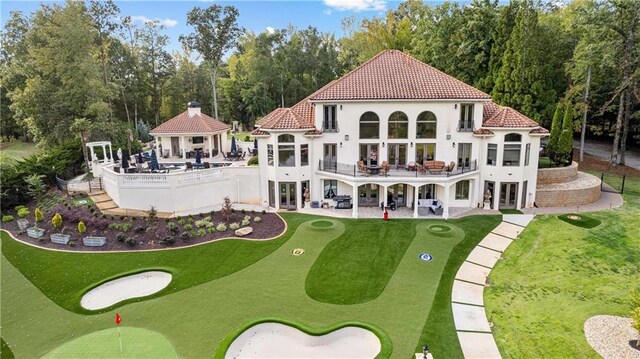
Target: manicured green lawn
510 211
18 150
221 286
557 275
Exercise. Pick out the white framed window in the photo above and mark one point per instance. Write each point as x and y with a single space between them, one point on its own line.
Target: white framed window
462 190
304 155
330 121
492 154
270 155
527 154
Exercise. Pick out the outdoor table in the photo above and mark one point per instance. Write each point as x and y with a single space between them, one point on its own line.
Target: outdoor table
373 169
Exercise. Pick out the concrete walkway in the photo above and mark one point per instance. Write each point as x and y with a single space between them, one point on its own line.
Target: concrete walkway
474 330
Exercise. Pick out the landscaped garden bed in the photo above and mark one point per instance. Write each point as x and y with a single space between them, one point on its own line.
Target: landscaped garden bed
83 222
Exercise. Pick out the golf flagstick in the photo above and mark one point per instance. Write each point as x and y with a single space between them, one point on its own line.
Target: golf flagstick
118 319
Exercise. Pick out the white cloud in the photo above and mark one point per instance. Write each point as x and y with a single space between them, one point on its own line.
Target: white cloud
165 22
270 29
327 11
356 5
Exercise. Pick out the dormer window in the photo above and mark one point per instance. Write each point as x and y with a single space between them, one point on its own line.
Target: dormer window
466 118
330 122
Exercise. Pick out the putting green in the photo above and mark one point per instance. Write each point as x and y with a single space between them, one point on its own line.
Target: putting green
321 224
136 343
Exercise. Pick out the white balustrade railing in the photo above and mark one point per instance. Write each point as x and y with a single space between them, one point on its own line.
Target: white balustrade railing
144 179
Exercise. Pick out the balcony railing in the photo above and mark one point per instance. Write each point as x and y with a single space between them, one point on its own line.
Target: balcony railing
394 171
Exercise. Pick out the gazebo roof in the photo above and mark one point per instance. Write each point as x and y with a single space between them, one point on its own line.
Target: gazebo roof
194 123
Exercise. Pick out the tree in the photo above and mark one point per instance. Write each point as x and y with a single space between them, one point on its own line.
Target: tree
82 127
35 186
38 217
554 136
565 142
216 33
500 35
56 221
227 208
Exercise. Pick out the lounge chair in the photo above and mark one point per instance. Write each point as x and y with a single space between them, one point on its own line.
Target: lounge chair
434 166
206 165
452 166
189 166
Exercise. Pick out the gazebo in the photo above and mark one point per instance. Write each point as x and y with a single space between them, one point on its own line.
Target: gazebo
190 131
107 157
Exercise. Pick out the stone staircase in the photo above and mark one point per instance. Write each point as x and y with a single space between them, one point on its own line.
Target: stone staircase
109 207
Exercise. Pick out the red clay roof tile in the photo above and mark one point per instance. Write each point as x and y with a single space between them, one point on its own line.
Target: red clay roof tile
501 116
183 123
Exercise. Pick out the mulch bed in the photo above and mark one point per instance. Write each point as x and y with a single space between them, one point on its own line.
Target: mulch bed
146 238
592 163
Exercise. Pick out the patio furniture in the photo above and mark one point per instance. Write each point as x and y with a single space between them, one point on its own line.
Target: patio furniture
165 154
384 169
434 206
434 166
362 168
373 169
343 202
189 166
411 166
421 169
225 157
452 166
206 165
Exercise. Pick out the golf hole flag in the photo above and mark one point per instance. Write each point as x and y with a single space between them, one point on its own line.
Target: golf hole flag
118 319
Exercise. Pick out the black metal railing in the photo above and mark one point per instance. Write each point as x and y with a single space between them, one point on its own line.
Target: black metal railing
394 171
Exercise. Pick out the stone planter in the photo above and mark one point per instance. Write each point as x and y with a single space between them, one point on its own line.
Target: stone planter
23 224
34 232
60 238
91 241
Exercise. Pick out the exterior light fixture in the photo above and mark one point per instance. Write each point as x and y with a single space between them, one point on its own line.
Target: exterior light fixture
454 145
455 106
411 144
340 107
382 144
340 144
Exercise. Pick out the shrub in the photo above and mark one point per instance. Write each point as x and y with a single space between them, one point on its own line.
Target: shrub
173 228
131 242
211 229
202 232
167 241
201 223
56 221
234 226
181 221
565 141
257 219
192 234
18 208
264 212
188 226
247 138
117 226
23 212
139 229
227 208
243 211
185 236
38 216
253 161
35 185
120 237
7 218
126 227
221 227
245 222
122 218
104 216
113 218
152 216
209 225
81 227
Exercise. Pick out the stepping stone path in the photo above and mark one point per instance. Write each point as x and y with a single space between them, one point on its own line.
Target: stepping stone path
474 331
245 231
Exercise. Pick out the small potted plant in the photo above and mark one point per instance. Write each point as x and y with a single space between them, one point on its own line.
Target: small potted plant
22 212
60 238
35 232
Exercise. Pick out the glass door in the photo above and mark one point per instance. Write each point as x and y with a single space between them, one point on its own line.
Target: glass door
287 195
368 195
369 153
464 155
330 156
397 193
397 154
427 191
508 195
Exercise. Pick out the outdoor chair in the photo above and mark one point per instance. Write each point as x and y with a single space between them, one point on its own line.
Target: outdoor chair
362 168
452 166
206 165
225 156
434 166
189 166
421 169
384 168
411 166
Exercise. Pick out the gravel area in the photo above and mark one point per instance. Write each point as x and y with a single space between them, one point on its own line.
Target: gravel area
610 336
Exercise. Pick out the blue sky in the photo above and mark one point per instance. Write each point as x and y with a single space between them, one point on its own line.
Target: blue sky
257 16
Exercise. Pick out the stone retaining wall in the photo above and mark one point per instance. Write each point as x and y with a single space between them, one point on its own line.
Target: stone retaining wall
583 190
558 175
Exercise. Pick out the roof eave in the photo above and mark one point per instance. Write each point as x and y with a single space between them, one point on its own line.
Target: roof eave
458 100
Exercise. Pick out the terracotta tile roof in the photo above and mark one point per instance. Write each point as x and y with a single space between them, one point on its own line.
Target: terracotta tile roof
501 116
285 118
539 131
483 132
314 132
183 123
393 74
259 132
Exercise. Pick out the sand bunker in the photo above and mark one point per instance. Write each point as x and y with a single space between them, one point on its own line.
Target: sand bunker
117 290
274 340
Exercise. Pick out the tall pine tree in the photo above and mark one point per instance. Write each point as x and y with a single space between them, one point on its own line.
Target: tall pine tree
522 82
565 142
500 36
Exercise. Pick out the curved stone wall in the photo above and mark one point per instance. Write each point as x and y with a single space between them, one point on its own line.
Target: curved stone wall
584 189
558 175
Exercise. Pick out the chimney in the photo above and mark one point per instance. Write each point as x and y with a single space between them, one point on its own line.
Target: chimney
194 108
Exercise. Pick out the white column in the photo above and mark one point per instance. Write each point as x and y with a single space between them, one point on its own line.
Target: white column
90 159
184 149
445 202
170 147
354 196
415 202
210 146
384 195
104 153
111 153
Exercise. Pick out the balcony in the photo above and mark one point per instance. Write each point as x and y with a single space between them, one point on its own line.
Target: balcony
393 171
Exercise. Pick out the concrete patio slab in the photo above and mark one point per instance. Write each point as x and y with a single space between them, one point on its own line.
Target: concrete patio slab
478 346
468 293
473 273
521 220
470 318
495 242
508 230
483 256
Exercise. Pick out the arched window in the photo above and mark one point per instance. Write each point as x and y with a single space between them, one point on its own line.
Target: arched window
426 125
369 125
286 153
512 137
286 139
398 125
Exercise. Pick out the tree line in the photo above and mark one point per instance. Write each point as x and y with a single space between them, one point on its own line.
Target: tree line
86 60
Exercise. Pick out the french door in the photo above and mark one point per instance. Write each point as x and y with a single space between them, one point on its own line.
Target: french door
330 156
464 155
369 153
398 193
288 195
508 195
368 195
397 154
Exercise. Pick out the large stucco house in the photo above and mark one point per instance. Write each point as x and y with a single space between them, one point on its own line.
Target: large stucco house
396 129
